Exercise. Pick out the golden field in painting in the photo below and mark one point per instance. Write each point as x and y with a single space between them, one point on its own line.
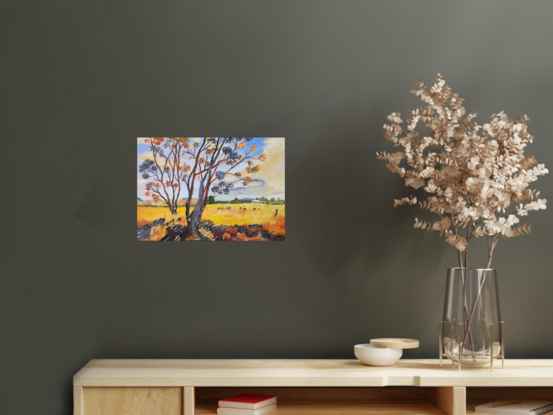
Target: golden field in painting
271 217
237 214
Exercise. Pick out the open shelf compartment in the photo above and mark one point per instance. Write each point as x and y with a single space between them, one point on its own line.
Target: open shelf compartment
479 396
361 400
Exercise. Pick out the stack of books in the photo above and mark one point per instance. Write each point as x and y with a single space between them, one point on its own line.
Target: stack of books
515 407
247 404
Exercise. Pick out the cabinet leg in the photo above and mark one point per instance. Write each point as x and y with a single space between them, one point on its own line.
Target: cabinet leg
189 400
77 400
451 400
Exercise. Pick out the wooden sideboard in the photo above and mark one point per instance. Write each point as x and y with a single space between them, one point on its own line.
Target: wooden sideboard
187 387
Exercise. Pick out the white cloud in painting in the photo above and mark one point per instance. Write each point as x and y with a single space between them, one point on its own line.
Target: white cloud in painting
269 182
145 156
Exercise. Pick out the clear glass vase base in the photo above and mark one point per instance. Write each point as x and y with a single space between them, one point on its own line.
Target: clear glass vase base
471 331
479 358
476 362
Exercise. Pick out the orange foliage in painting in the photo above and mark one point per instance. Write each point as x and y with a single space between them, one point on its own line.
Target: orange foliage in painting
276 227
157 233
232 230
240 237
243 237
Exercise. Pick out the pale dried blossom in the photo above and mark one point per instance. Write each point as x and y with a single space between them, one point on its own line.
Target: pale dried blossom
475 178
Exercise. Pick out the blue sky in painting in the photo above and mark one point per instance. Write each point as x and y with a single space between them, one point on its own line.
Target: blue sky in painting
269 182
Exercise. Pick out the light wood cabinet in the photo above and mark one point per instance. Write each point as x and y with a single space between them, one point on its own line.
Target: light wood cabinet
132 401
324 387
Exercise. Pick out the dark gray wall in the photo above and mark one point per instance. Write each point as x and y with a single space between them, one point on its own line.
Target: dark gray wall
81 80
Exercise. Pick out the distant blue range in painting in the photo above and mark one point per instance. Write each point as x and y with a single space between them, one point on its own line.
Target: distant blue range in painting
210 189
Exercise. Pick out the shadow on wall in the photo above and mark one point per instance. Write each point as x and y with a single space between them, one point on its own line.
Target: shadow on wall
104 206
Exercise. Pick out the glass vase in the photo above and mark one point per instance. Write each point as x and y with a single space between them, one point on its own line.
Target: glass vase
471 332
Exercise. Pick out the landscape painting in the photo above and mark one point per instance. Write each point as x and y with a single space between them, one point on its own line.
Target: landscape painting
210 189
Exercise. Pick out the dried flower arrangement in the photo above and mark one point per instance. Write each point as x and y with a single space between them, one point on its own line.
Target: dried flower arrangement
475 178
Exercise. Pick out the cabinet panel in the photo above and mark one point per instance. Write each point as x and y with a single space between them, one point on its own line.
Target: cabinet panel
132 401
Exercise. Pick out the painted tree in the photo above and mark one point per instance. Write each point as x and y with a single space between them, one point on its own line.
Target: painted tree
166 168
215 165
206 164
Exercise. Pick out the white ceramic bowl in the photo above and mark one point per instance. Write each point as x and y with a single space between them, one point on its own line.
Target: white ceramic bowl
376 356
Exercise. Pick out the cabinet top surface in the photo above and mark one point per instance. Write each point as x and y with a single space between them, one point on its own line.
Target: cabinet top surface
305 373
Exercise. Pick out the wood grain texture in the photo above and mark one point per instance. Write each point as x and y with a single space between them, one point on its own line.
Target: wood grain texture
77 400
420 408
189 400
395 343
450 400
301 373
132 401
482 395
212 395
297 395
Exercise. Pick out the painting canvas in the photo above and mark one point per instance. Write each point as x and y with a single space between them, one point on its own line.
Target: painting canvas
210 189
